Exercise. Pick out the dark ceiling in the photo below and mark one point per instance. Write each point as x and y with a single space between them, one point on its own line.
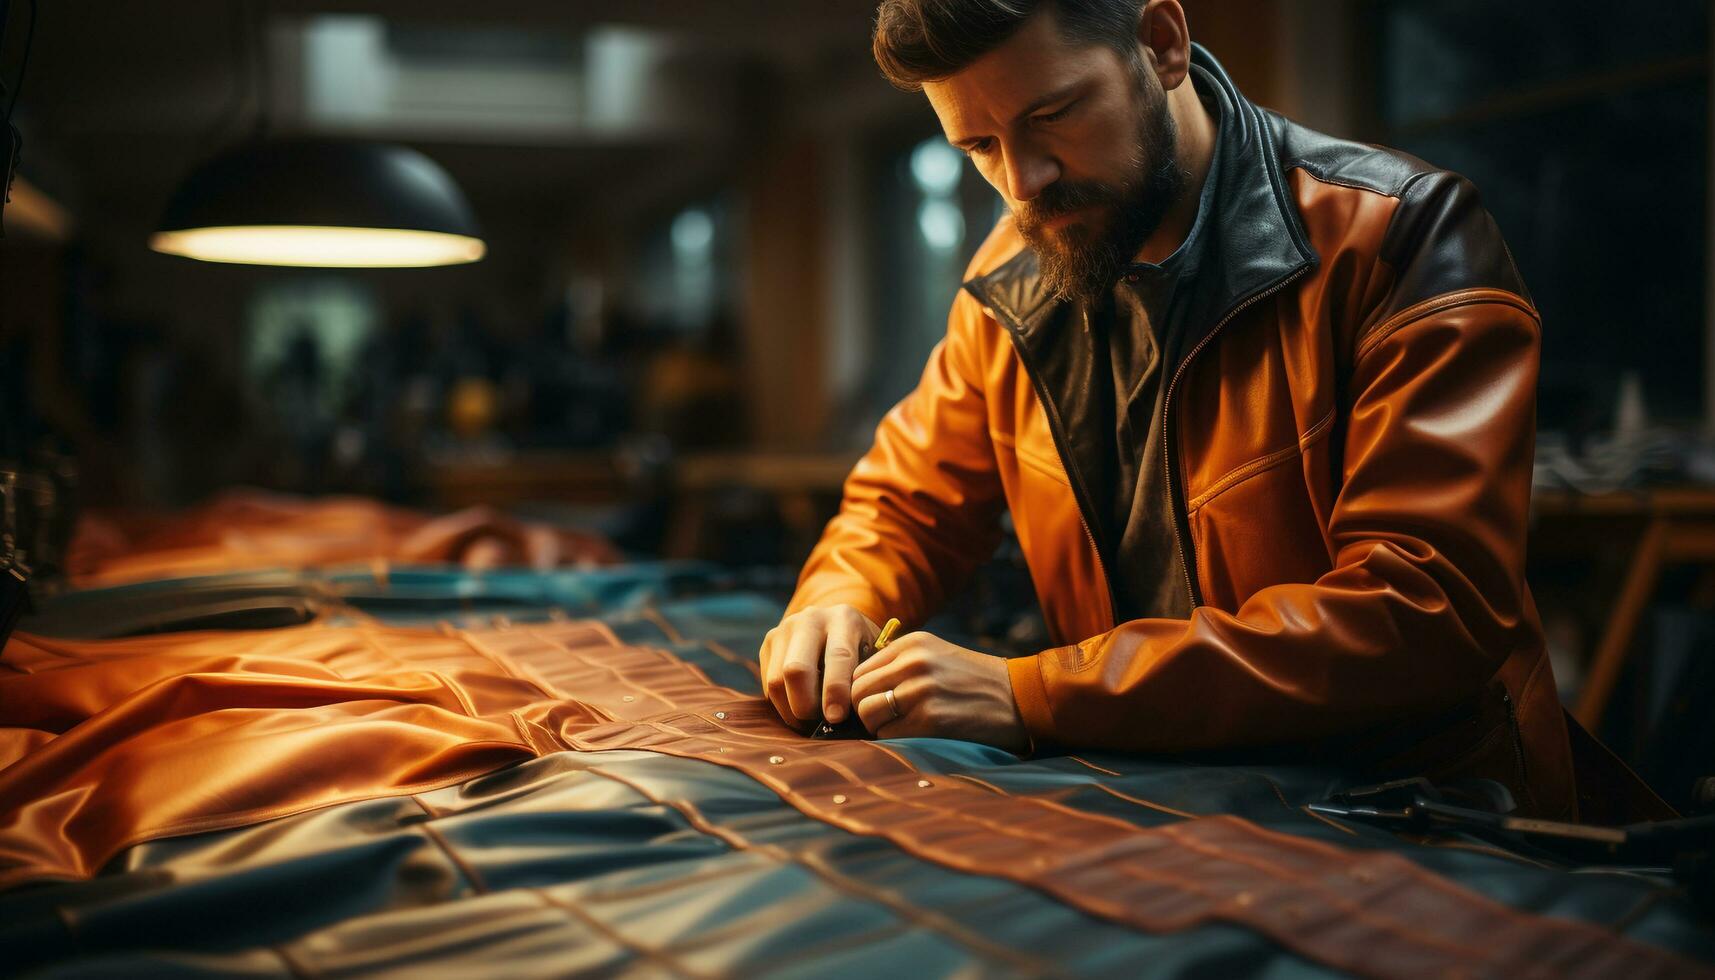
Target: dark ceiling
122 98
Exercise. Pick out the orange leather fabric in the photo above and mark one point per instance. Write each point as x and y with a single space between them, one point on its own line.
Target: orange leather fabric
1355 479
245 530
107 743
114 742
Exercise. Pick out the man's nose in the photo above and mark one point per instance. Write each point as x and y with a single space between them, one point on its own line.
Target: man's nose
1028 172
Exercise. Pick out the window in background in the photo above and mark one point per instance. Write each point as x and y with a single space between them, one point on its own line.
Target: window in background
1586 129
303 340
304 344
932 210
685 276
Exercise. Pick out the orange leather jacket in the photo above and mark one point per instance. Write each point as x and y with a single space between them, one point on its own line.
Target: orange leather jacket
1349 428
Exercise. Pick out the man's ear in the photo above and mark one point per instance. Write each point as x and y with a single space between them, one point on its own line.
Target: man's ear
1165 41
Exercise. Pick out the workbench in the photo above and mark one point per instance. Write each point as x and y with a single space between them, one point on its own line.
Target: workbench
560 773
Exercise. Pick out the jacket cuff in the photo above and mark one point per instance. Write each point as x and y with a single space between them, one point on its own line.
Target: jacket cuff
1031 697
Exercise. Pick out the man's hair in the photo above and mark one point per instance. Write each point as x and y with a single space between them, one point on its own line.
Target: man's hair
919 41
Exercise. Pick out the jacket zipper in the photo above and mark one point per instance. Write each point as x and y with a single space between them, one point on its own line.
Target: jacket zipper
1175 505
1079 492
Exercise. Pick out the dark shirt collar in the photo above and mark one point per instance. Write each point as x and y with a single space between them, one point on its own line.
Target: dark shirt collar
1185 258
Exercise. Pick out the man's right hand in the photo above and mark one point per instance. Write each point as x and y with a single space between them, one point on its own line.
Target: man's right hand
807 662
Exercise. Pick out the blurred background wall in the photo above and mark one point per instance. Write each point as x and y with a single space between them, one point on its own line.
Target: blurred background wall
686 204
720 247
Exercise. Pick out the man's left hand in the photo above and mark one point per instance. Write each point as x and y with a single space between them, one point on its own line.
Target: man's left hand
940 690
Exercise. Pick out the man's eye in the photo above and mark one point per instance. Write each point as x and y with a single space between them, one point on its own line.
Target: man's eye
978 147
1057 114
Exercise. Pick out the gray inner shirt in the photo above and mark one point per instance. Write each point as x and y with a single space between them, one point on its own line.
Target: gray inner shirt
1130 489
1134 331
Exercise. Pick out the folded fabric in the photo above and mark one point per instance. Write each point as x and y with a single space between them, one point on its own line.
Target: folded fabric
251 529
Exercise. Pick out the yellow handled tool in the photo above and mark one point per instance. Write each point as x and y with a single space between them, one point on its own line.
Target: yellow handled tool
886 636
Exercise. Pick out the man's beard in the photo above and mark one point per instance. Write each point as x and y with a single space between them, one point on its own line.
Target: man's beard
1082 259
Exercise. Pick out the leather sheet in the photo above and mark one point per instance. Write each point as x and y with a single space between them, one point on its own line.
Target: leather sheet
113 744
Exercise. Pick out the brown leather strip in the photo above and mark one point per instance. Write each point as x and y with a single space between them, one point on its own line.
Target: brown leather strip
1371 913
917 915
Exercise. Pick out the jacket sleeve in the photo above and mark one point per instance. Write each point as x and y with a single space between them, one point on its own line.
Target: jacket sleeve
1425 599
921 509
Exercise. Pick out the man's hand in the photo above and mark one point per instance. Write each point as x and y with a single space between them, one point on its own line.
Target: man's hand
940 690
807 662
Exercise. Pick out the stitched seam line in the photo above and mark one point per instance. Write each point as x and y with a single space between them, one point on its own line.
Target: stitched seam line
1092 765
464 867
1323 178
1437 304
261 814
510 667
1257 466
504 665
926 918
620 678
298 969
1146 804
722 651
1187 838
1037 462
1149 875
654 616
659 957
677 743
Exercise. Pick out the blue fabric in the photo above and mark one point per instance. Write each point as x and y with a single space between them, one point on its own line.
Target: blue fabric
484 891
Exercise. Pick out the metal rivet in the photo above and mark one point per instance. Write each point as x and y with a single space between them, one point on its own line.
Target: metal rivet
776 759
723 750
924 784
1040 862
721 715
839 797
1243 899
628 699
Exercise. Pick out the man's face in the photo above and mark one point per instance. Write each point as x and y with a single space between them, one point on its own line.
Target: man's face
1078 140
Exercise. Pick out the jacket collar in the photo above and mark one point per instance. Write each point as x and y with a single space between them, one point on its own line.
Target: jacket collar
1253 241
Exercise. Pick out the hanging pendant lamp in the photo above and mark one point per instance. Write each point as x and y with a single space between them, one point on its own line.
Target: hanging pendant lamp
330 203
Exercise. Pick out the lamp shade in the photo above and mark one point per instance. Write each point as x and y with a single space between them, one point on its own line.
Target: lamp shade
320 202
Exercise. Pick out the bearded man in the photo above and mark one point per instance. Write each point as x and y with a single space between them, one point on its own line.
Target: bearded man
1260 401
